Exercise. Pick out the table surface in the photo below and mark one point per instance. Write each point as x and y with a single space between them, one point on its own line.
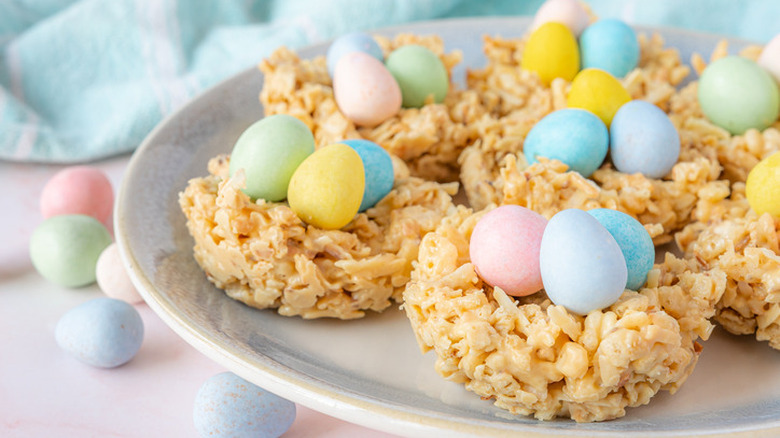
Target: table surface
44 392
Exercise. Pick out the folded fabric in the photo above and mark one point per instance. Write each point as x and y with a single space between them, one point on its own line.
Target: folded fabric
86 79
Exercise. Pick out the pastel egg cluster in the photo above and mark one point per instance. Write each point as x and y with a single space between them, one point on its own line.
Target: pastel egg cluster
325 188
370 89
583 260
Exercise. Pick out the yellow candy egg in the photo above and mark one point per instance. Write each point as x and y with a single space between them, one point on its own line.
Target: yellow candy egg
327 188
552 52
598 92
763 186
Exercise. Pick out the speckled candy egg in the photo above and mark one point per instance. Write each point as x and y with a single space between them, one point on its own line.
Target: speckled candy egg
229 406
611 45
770 57
78 190
269 151
582 266
378 169
65 249
567 12
102 332
504 249
576 137
112 276
643 140
598 92
352 42
327 188
762 188
736 94
365 91
634 241
419 73
551 51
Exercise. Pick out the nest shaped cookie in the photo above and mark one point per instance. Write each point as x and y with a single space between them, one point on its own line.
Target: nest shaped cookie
535 358
263 255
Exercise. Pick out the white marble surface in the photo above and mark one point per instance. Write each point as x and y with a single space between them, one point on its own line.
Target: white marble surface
46 393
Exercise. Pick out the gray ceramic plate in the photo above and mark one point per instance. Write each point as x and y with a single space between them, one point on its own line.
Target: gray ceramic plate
371 371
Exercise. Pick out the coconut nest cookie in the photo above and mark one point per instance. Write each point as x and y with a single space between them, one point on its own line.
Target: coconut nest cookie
535 358
263 255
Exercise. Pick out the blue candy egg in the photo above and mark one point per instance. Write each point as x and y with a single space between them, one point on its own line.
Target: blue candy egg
582 266
352 42
378 167
643 140
634 242
610 45
103 332
229 406
574 136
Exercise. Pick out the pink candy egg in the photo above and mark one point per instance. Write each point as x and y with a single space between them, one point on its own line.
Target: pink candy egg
78 190
770 57
567 12
504 249
112 277
364 89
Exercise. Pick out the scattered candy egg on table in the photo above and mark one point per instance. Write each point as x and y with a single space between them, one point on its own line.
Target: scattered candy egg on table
598 92
112 276
634 241
327 188
352 42
365 91
736 94
419 73
504 248
610 45
576 137
568 12
378 169
643 140
582 265
770 57
102 332
228 406
65 249
269 151
78 190
551 51
762 187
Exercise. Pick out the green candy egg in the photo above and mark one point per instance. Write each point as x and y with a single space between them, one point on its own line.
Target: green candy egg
736 94
65 249
419 73
269 151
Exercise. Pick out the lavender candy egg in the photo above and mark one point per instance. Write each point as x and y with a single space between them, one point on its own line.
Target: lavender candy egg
582 266
378 167
229 406
352 42
634 241
643 140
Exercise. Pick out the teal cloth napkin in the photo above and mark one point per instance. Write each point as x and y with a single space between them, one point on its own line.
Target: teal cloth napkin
82 80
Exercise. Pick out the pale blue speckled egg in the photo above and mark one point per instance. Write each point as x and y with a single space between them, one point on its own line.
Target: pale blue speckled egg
610 45
229 406
378 167
634 241
352 42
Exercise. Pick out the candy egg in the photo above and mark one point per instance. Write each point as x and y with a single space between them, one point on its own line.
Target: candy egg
112 276
378 167
611 45
634 241
568 12
269 151
419 73
504 249
102 332
770 57
365 91
65 249
352 42
228 406
327 188
598 92
736 94
576 137
551 51
78 190
582 266
762 187
643 140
